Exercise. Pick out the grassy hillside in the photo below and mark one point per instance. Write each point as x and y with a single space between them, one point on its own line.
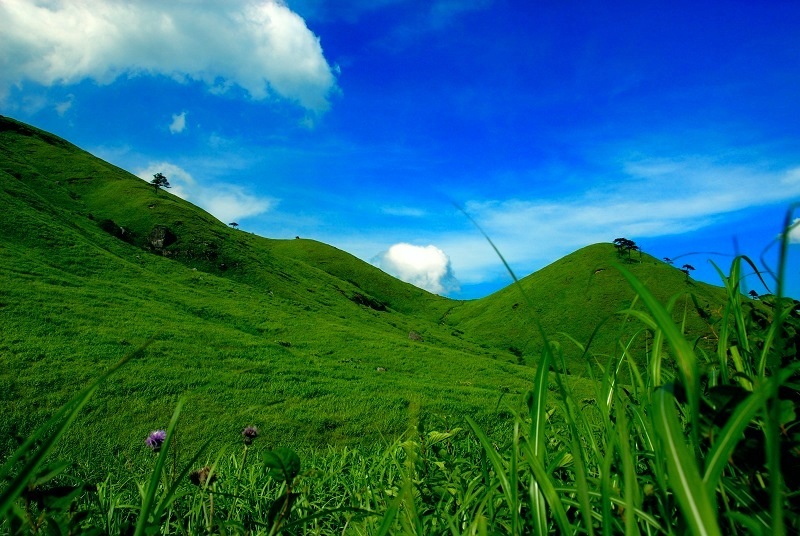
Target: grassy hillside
298 338
295 337
578 293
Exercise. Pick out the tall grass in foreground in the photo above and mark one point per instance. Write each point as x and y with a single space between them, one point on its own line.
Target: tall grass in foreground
677 440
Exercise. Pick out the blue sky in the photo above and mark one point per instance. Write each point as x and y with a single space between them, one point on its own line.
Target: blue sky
363 124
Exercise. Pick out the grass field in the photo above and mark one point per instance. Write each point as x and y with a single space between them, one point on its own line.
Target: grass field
541 407
292 335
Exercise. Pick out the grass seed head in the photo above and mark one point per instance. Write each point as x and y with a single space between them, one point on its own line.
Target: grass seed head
200 476
249 434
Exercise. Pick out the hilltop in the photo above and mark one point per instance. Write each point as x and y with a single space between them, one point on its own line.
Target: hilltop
294 336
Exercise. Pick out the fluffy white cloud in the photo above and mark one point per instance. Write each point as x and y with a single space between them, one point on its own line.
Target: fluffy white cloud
427 267
227 202
178 124
261 46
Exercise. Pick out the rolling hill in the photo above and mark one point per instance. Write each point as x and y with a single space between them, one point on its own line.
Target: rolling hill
573 296
310 344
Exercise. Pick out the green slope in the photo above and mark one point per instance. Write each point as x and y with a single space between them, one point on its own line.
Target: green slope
372 282
573 296
296 337
301 339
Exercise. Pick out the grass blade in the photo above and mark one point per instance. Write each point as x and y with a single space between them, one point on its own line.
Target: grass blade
167 499
685 356
546 489
59 424
578 455
47 436
538 423
647 518
388 517
732 433
684 477
631 491
495 460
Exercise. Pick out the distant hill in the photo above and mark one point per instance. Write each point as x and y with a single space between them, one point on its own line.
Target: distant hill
574 295
299 338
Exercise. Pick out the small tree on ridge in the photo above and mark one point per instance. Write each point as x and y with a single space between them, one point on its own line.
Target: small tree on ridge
686 269
159 181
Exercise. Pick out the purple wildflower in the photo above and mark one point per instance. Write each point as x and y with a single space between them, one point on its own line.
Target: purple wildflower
156 439
249 434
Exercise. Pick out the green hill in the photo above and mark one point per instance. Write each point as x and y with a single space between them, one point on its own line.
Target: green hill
308 343
295 337
577 293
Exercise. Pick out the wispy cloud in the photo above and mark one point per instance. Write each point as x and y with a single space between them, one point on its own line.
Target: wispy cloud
408 212
178 124
435 17
651 198
227 202
442 11
350 11
64 106
262 47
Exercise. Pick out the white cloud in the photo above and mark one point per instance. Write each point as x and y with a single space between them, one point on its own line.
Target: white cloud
261 46
794 231
227 202
427 267
178 124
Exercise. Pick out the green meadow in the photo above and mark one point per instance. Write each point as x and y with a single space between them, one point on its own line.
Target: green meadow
606 393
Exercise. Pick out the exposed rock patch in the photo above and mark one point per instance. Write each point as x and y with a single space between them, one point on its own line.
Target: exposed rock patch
366 301
161 237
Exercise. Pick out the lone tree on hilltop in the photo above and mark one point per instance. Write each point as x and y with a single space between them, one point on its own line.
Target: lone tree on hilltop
234 224
669 261
625 246
159 181
753 294
686 269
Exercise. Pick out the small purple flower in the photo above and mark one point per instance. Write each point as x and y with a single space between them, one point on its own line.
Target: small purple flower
249 434
156 439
